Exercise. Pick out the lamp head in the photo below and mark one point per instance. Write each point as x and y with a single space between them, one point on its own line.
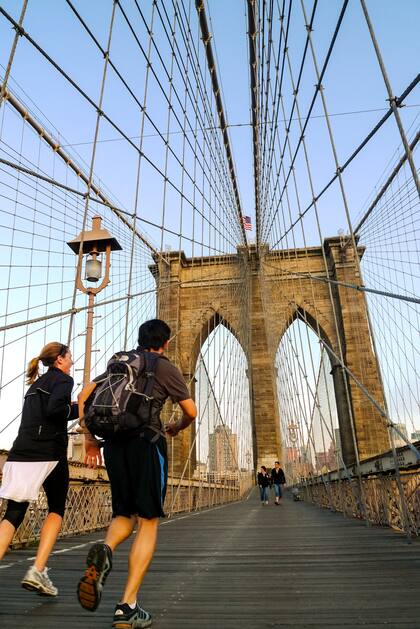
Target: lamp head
95 239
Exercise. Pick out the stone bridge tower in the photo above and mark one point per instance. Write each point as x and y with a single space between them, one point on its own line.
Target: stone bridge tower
274 288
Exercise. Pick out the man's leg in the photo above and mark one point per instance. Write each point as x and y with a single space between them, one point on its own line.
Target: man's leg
140 556
276 491
99 562
118 531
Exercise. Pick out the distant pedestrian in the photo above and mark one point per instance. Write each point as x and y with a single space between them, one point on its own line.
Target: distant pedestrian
263 483
38 458
278 479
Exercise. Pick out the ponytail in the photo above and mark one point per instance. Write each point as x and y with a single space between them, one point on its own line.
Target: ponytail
48 356
32 370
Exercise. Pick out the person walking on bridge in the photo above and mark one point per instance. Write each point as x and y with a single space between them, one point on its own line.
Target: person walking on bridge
136 461
263 484
38 458
278 478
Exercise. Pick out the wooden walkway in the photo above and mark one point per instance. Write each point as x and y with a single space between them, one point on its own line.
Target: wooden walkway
240 566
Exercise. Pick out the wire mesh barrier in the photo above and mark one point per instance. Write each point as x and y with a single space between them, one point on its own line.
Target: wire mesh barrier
377 500
89 505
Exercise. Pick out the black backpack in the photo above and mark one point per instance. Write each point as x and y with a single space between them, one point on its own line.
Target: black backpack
123 400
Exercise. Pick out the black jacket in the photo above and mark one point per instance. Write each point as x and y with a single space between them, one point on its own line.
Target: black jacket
277 476
263 479
46 410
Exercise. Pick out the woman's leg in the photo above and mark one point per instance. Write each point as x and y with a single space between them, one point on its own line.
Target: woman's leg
13 518
7 531
49 534
56 487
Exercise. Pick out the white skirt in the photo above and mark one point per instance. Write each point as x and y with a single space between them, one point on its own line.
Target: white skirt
23 480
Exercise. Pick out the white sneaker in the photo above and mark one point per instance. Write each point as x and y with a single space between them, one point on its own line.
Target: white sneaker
39 582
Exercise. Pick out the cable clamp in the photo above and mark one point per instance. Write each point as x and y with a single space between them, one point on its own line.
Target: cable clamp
19 29
395 101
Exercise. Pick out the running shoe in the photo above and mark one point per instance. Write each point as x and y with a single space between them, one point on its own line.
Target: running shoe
39 582
99 564
127 618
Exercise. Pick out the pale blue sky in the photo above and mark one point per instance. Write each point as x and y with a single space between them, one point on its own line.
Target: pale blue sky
352 83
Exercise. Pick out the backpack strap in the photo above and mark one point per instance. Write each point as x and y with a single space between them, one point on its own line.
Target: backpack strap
152 434
149 372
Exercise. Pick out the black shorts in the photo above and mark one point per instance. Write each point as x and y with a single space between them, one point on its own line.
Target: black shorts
138 471
56 487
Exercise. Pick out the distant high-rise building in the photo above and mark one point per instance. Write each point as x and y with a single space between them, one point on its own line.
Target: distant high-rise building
321 461
223 450
293 454
326 460
415 436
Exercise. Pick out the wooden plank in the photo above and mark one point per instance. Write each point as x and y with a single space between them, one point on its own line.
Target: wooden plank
241 566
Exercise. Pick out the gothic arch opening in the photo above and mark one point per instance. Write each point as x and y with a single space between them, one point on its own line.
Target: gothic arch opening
224 439
307 399
216 319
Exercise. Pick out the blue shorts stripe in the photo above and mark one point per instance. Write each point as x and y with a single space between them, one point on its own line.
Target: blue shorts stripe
162 475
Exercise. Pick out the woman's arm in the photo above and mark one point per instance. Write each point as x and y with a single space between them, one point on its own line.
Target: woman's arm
59 400
93 456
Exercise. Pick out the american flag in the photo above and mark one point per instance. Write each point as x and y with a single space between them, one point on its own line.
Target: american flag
246 220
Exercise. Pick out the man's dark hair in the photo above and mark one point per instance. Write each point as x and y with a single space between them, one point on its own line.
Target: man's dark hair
153 334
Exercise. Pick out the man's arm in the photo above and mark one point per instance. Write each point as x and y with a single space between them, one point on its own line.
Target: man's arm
93 456
189 414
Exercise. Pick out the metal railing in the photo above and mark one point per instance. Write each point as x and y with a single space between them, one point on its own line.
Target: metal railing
375 496
89 507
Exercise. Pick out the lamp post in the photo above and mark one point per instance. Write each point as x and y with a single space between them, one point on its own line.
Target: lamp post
94 243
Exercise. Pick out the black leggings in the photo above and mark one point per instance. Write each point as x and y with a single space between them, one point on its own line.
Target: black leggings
56 486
